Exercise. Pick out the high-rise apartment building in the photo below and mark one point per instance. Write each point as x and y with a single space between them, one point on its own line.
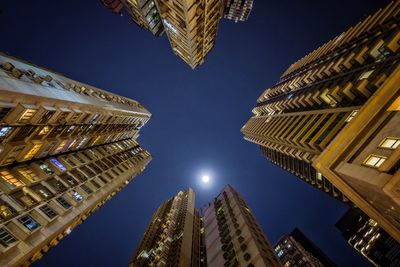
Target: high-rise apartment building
232 235
296 249
191 27
144 13
365 236
174 236
238 10
65 149
333 118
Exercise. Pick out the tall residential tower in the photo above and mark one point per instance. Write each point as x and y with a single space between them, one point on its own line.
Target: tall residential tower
333 118
232 235
238 10
65 149
174 236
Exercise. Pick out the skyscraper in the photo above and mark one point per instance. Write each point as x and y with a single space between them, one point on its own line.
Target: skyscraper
296 249
238 10
65 149
365 236
333 118
174 236
191 27
144 13
232 235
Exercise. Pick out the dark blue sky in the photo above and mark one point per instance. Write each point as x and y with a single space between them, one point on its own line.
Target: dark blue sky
197 114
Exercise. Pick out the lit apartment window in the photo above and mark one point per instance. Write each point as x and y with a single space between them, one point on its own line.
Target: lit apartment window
46 168
50 213
352 115
58 164
81 143
32 152
390 142
29 222
6 239
76 196
28 173
6 211
60 147
374 160
366 74
4 131
44 130
27 115
10 179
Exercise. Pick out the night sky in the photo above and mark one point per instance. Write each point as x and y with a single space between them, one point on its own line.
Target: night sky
197 115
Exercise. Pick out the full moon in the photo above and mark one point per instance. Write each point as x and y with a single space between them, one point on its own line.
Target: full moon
205 179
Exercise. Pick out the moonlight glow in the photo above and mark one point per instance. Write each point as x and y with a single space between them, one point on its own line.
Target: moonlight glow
205 179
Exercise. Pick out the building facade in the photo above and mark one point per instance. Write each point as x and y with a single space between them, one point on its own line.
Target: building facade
232 235
174 237
144 13
296 249
238 10
191 27
365 236
65 149
333 118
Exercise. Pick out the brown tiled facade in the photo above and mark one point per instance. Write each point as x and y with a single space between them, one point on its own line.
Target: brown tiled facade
65 149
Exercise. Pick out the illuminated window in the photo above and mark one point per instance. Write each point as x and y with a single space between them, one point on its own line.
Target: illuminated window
44 130
374 161
58 164
365 75
4 131
76 196
46 168
29 222
6 239
280 253
27 115
390 142
60 147
352 115
28 173
319 176
81 143
10 179
31 153
6 211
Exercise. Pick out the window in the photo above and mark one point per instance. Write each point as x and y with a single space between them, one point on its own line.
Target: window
247 256
32 152
65 204
28 173
6 211
58 164
352 115
44 130
4 131
29 222
10 179
280 253
365 74
6 239
46 168
3 113
374 161
50 213
86 189
390 142
27 115
76 196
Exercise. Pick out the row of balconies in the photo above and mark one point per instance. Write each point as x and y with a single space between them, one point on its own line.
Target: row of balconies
373 25
47 80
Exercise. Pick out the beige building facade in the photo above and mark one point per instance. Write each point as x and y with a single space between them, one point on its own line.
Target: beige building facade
232 235
333 118
65 149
